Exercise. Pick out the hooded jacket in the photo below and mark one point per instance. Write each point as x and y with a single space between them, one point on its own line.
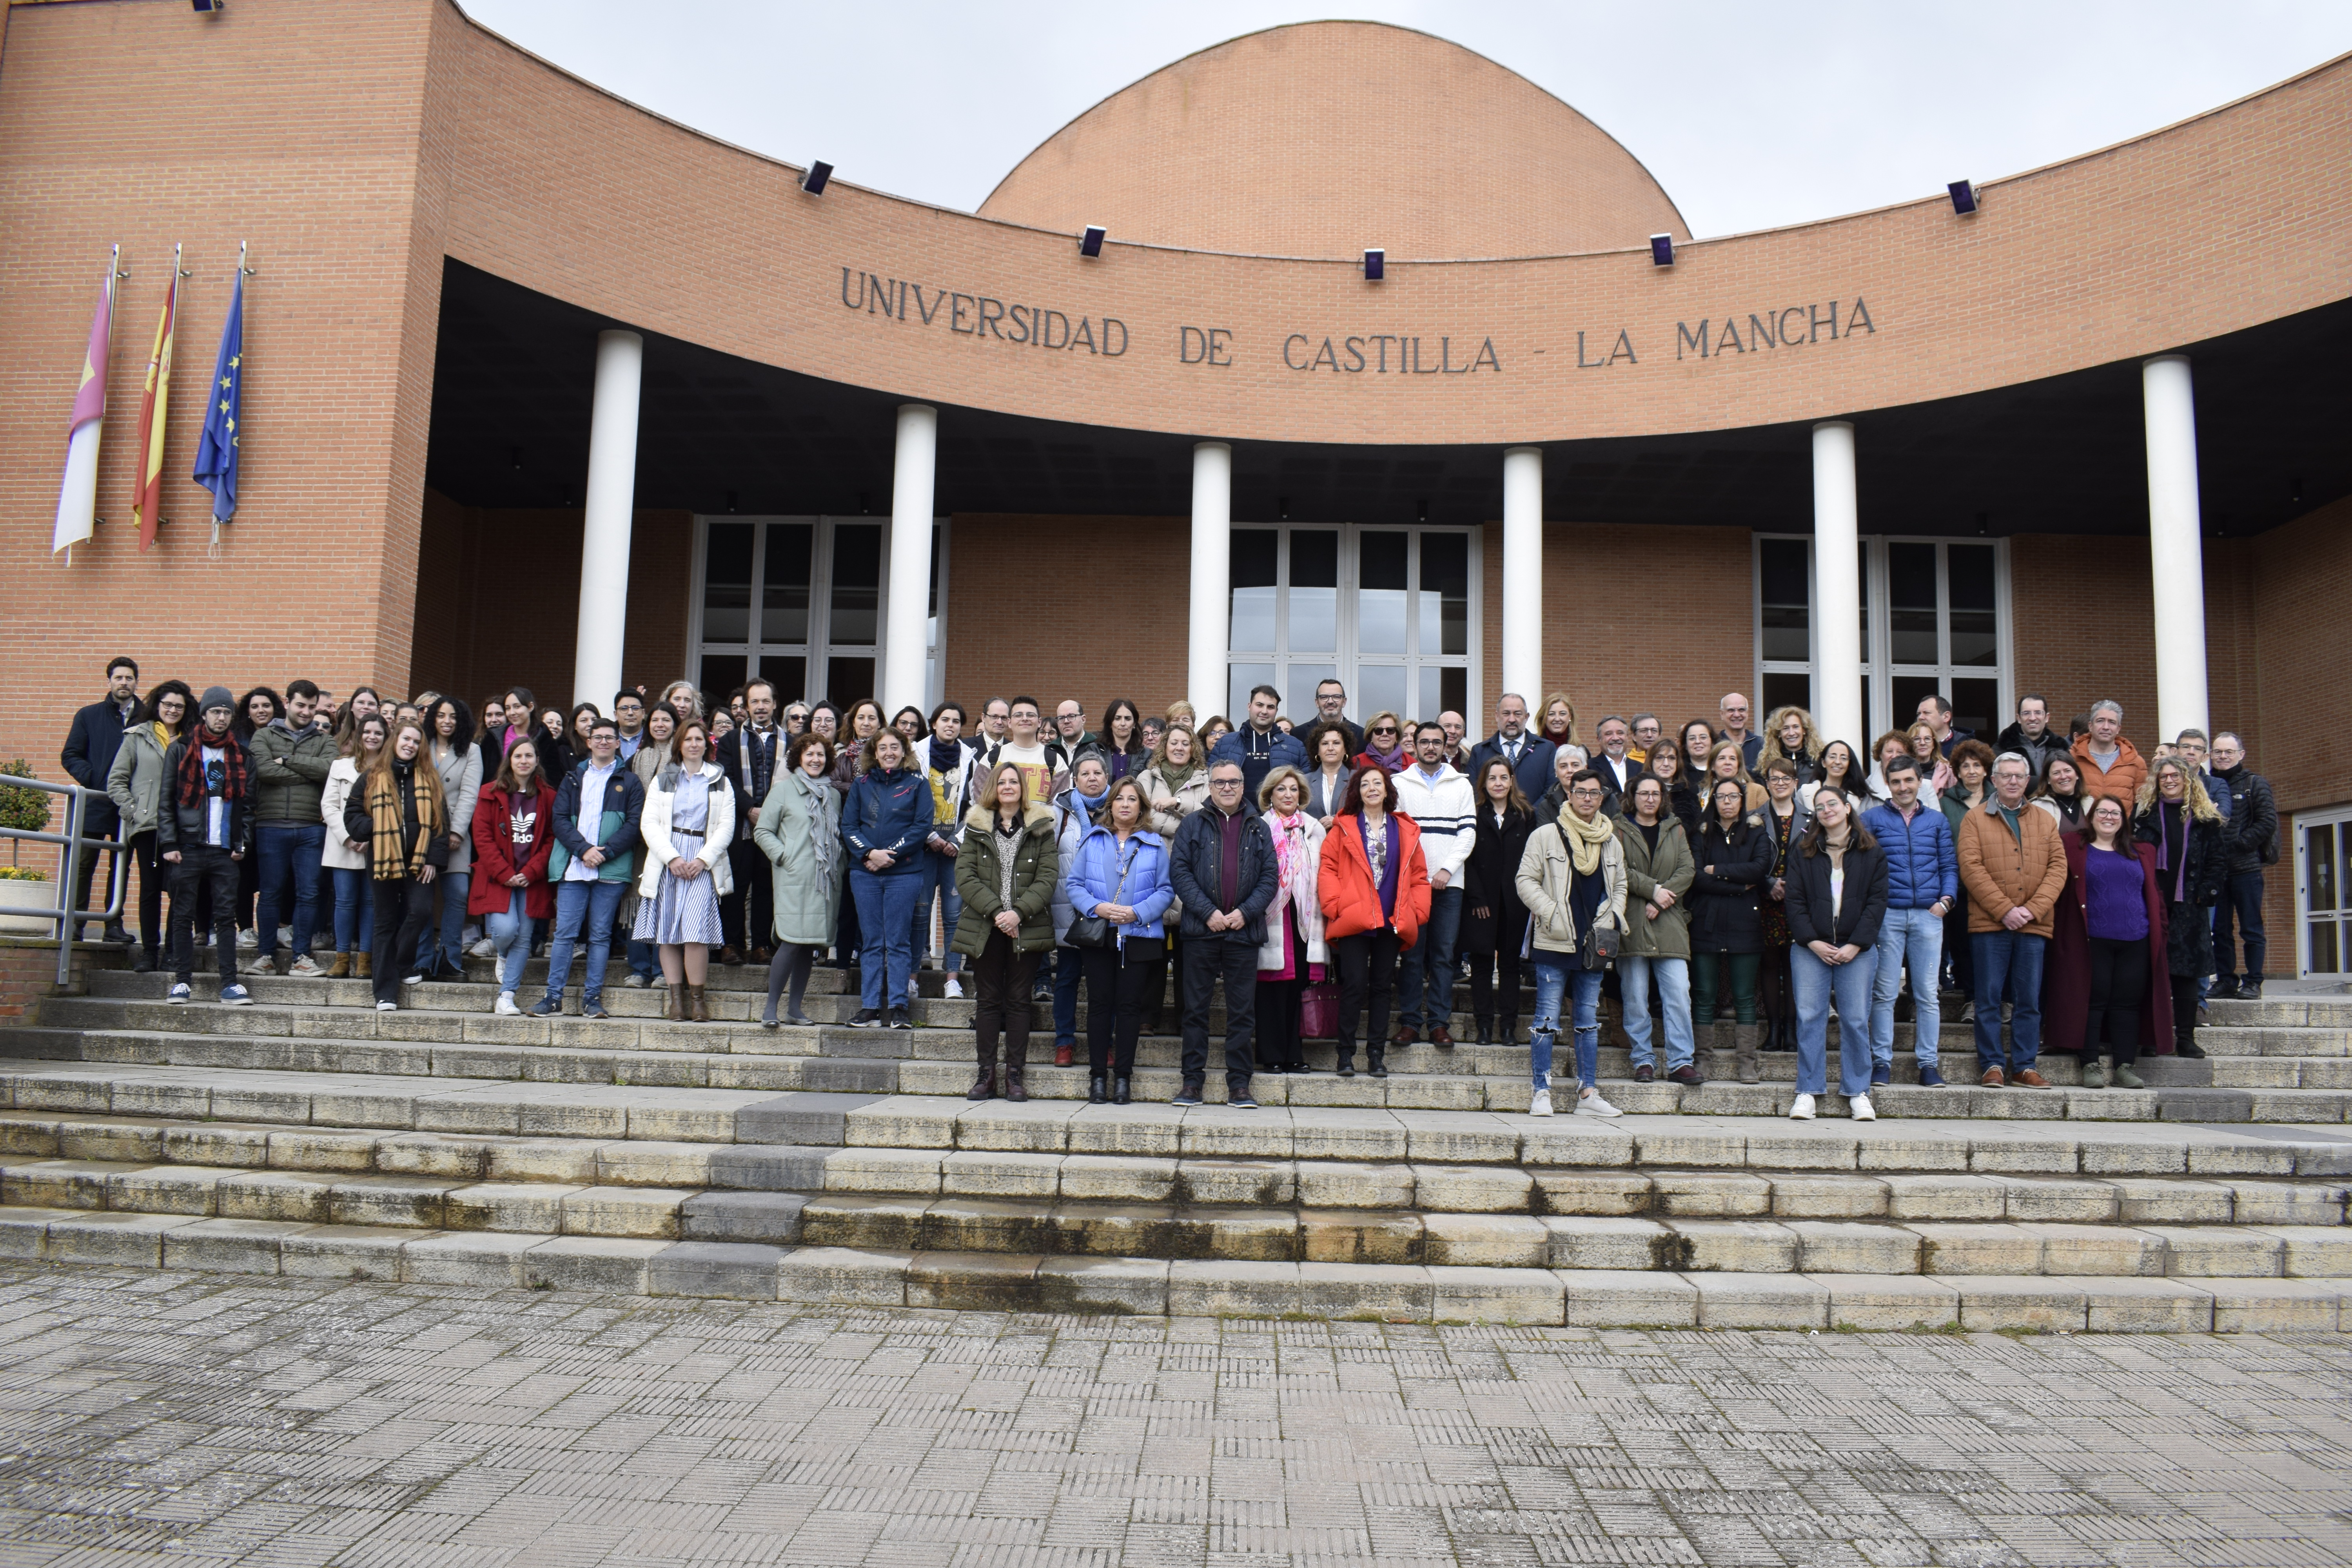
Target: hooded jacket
1670 867
2122 781
2038 751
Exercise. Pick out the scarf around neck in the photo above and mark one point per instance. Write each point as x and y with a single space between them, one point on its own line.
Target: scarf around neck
945 754
1586 839
823 839
190 784
1392 761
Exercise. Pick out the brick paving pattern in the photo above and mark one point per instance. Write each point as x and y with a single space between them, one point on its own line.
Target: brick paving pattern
165 1417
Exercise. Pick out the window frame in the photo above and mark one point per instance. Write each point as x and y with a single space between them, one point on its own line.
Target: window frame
818 648
2340 818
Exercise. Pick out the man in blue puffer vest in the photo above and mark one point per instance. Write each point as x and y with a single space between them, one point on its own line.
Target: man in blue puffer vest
1923 879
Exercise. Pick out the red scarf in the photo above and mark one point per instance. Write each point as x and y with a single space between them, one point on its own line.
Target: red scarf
191 788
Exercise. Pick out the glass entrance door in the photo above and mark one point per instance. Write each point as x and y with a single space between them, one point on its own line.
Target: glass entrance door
2322 892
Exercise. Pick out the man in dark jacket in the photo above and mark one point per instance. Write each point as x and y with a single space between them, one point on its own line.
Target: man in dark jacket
2031 737
2253 837
203 826
88 757
1259 746
749 755
1529 755
291 757
1223 868
597 808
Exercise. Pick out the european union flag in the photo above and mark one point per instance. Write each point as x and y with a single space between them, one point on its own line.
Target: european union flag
216 449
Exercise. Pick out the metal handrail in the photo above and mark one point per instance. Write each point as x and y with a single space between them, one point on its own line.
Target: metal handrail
70 844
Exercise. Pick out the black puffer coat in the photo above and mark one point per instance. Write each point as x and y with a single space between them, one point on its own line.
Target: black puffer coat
1723 906
2189 926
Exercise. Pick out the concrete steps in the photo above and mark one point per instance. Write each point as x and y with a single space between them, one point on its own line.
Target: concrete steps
839 1277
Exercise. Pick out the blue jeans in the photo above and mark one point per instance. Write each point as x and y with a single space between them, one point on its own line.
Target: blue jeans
2011 960
1634 971
582 907
1849 985
1430 960
454 886
1916 936
936 873
509 931
1554 979
354 909
1069 968
886 913
288 849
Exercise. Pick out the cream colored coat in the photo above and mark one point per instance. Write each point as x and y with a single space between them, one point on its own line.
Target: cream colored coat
718 832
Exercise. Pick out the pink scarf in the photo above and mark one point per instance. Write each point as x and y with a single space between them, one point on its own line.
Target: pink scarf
1289 844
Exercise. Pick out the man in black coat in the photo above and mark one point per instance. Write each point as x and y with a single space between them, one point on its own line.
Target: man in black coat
1225 874
88 757
749 755
2252 836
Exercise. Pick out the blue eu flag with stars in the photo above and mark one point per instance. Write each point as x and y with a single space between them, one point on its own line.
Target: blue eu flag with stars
216 449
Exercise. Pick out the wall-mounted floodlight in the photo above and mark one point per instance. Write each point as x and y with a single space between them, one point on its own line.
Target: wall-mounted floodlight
1376 265
1662 250
1090 242
1964 196
818 174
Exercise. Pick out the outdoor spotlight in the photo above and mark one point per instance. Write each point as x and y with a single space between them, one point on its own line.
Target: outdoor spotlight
818 174
1662 250
1376 264
1964 196
1090 242
207 7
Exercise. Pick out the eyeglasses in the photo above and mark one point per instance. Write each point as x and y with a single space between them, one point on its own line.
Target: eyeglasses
1587 792
1225 784
1384 730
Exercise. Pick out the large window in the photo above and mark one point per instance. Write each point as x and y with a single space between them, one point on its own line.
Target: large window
1935 619
2322 892
798 601
1392 612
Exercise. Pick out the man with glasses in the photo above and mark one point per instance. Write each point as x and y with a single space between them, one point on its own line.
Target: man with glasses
2252 836
1070 736
1531 756
629 723
204 826
1332 711
995 719
2013 862
597 808
1259 747
1223 868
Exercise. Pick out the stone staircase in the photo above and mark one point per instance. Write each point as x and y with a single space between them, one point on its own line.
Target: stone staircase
311 1135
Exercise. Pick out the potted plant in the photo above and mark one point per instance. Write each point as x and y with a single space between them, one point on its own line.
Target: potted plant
21 886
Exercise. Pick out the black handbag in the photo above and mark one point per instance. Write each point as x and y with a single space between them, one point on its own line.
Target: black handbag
1093 930
1600 943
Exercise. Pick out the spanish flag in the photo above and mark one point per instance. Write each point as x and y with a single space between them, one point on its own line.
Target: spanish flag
153 406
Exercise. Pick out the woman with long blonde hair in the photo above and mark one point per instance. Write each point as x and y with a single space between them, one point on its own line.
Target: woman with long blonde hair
2192 866
398 812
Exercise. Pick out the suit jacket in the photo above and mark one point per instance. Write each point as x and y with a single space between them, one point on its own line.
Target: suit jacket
1533 770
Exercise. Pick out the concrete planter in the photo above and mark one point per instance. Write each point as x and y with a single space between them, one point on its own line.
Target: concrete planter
18 896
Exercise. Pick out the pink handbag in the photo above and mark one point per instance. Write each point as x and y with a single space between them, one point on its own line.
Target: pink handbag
1319 1011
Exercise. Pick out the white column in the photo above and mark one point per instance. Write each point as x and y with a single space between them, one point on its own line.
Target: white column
1522 578
904 633
2176 553
1213 551
1837 587
610 513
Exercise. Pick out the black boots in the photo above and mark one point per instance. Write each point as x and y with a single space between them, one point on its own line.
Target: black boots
1376 1061
1095 1092
1118 1092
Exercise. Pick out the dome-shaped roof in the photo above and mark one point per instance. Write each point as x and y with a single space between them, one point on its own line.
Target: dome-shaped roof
1324 138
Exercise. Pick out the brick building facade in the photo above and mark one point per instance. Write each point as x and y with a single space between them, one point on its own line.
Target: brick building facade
442 225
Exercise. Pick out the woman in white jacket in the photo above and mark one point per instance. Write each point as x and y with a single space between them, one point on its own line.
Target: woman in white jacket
688 825
347 861
1293 954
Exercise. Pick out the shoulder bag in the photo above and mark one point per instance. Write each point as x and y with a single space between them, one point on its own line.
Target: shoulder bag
1598 944
1093 930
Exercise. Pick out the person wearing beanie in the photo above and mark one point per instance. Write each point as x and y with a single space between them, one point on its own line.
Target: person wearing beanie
202 829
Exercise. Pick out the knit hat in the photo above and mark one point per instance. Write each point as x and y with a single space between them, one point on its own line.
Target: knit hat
216 697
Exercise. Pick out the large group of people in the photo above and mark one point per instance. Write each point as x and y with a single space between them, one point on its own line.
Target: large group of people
1732 887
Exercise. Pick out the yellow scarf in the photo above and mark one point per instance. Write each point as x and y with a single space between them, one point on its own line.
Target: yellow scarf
1585 839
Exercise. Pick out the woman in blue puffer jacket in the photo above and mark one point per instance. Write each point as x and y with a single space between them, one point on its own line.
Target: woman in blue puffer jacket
883 820
1120 875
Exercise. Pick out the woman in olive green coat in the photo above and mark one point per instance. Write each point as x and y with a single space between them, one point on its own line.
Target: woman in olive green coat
1006 866
799 830
1659 871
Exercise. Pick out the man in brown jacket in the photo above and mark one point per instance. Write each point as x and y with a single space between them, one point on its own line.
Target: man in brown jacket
2013 864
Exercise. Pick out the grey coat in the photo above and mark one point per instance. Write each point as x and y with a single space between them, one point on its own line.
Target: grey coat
135 781
808 904
461 786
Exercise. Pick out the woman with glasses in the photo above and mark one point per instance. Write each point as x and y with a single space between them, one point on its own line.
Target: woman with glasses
135 784
1572 877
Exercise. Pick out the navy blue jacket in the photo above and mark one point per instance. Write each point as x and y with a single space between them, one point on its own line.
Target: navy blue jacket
1923 867
1534 768
1287 750
89 755
889 811
1192 869
620 845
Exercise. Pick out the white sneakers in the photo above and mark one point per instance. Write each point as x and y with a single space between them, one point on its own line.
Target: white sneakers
246 941
306 967
387 1006
258 965
1861 1108
484 948
953 989
1801 1109
506 1007
1591 1104
1539 1104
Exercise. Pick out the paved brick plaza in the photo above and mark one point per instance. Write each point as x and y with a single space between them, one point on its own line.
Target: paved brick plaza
172 1417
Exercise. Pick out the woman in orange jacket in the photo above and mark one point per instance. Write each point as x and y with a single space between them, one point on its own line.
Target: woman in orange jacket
1374 890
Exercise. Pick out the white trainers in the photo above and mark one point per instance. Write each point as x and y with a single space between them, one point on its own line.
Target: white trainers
307 967
1860 1107
953 989
1591 1104
387 1006
484 948
259 966
506 1007
1539 1103
246 941
1801 1109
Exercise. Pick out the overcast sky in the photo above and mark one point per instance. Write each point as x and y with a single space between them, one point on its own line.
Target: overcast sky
1751 115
